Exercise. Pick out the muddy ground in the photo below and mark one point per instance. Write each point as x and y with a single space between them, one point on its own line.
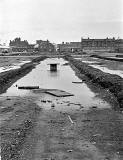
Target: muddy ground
29 132
9 60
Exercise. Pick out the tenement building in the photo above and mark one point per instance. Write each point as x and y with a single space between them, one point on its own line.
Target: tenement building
107 44
69 47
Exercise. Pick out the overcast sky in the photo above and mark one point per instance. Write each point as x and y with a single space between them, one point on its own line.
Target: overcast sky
60 20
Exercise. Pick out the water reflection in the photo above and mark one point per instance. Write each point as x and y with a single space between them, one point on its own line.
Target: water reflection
52 74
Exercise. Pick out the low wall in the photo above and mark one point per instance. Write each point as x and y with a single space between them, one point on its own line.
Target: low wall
113 83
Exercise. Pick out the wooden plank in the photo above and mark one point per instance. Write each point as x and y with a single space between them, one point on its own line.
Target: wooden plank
78 82
70 119
28 87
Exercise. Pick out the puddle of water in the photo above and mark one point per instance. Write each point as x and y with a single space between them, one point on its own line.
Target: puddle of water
106 70
8 68
21 63
116 57
13 66
96 64
62 79
90 62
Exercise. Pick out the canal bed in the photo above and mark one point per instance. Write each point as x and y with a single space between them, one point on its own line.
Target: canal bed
41 76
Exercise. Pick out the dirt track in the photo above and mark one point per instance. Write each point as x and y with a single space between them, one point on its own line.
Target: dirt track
32 133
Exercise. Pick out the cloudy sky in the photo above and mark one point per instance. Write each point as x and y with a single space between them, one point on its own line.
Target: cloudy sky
60 20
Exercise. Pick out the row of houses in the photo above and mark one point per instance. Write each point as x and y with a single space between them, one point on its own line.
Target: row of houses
85 45
107 44
18 45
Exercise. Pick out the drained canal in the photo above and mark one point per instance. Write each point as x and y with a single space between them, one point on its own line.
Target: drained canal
63 79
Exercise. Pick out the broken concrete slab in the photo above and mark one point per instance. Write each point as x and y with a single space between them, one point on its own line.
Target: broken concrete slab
59 93
54 92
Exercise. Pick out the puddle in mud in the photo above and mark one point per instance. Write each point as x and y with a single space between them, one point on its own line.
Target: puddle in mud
13 66
96 64
62 79
88 62
116 57
106 70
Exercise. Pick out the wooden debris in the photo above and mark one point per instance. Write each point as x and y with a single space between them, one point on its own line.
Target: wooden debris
94 107
52 105
78 82
28 87
49 101
43 101
70 119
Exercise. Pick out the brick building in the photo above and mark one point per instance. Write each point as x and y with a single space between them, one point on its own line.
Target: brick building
69 47
18 45
45 46
107 44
